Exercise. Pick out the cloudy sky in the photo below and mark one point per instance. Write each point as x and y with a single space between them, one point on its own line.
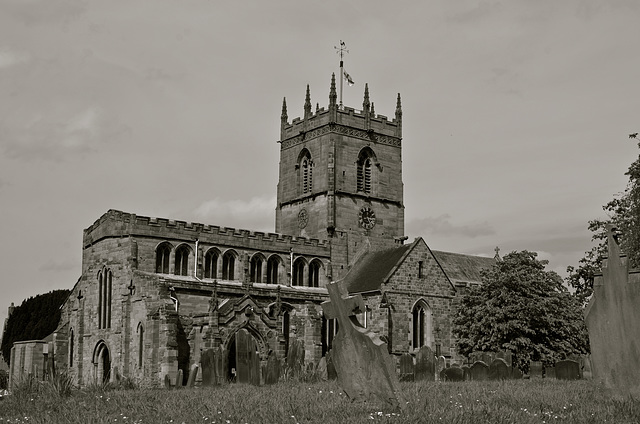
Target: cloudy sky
516 116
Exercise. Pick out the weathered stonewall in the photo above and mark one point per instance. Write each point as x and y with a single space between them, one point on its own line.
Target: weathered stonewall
361 359
612 318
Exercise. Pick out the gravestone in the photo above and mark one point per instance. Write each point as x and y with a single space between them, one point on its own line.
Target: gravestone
321 369
295 357
516 374
362 360
406 367
167 381
211 362
272 369
586 368
192 375
567 370
331 368
535 369
247 358
507 356
499 370
612 318
479 371
440 365
425 368
465 371
453 373
179 380
549 371
487 357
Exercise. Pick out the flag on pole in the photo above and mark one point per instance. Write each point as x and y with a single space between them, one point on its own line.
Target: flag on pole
347 77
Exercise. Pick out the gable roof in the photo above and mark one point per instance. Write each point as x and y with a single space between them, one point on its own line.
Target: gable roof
463 268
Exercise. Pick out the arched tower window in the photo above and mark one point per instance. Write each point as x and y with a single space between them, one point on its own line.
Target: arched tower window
182 260
305 167
366 159
163 252
421 320
228 265
314 273
105 285
273 269
298 272
211 263
256 268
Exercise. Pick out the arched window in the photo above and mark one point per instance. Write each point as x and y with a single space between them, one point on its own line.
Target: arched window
273 268
182 260
211 264
366 159
228 265
163 252
256 268
421 319
305 167
105 285
314 273
298 272
140 344
71 347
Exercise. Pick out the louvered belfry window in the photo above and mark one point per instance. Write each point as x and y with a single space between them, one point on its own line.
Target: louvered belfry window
364 171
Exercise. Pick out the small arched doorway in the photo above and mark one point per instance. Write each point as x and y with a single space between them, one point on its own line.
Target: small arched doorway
243 358
102 363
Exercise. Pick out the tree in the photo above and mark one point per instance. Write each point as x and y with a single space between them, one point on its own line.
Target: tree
624 213
522 308
34 319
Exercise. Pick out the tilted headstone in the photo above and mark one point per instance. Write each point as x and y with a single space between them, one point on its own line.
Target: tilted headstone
453 373
567 370
479 371
425 368
321 369
499 370
535 369
549 371
362 360
441 364
272 369
612 318
192 375
406 367
179 380
295 357
167 381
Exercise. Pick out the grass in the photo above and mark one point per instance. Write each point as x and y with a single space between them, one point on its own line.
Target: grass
522 401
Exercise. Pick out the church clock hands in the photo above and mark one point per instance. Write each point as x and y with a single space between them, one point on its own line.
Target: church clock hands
367 218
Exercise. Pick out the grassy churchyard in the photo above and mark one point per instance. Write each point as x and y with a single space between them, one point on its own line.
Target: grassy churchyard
514 401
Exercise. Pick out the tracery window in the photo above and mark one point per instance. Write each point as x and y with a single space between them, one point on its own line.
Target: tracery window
105 284
314 273
211 264
163 252
228 265
298 272
182 260
273 268
256 269
421 320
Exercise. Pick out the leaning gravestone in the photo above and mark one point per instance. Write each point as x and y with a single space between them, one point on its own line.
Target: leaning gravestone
425 368
295 357
499 370
535 369
331 368
567 370
612 318
406 367
192 375
478 371
441 364
362 360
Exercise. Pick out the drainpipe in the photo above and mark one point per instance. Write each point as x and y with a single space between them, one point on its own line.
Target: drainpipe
291 267
195 262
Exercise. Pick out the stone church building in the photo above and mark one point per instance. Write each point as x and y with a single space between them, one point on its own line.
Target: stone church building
154 293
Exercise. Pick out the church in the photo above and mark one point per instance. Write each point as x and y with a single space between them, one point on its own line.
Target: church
154 292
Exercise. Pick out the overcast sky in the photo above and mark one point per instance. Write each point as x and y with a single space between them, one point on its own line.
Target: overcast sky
515 125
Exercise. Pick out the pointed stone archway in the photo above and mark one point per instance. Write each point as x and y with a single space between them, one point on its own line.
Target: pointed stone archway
102 363
243 358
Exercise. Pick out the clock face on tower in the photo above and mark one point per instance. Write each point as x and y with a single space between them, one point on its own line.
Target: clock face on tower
367 218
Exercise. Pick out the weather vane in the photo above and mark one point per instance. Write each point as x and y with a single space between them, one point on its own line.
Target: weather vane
343 74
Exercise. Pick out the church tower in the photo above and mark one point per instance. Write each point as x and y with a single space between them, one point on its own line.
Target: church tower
340 177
